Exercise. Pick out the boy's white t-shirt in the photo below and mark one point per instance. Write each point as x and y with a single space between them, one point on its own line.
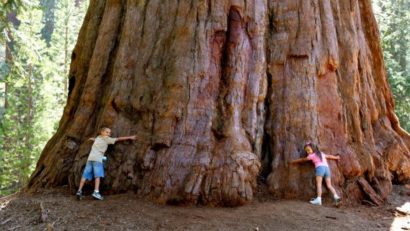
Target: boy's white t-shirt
99 147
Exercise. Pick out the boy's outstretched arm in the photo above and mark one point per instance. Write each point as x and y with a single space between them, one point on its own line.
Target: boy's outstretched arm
126 138
300 160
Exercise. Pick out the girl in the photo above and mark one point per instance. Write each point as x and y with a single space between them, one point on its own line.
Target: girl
322 170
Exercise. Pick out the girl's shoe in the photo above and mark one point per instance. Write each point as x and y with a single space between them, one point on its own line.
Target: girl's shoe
337 200
316 201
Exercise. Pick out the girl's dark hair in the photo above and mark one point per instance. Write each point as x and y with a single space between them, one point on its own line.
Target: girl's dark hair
315 149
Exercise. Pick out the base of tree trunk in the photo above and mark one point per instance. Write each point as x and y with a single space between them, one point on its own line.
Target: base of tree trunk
220 94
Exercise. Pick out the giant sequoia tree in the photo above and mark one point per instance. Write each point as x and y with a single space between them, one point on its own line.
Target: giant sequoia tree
221 93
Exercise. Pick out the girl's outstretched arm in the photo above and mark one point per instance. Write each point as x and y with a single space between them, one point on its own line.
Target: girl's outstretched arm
300 160
332 157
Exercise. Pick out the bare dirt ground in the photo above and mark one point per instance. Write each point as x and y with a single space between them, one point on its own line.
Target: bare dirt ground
57 209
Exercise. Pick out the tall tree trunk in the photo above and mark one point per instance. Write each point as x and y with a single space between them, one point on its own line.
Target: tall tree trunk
49 7
29 127
9 61
219 92
9 45
66 61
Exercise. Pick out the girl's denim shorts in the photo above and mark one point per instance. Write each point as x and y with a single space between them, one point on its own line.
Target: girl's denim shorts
322 171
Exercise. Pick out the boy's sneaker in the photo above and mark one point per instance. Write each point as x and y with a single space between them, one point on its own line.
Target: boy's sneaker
79 195
316 201
97 195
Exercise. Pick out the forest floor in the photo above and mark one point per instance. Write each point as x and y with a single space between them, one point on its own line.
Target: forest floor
57 209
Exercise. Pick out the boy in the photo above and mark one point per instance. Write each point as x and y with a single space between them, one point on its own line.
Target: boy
94 166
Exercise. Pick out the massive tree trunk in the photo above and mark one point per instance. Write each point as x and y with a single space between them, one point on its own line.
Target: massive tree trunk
223 93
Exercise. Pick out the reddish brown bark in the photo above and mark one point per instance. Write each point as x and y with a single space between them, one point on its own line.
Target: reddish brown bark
221 92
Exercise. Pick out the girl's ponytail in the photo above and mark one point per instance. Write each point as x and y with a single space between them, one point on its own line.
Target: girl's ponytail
318 153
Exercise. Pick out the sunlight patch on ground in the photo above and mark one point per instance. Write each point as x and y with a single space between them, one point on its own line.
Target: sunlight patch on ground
3 204
5 200
402 218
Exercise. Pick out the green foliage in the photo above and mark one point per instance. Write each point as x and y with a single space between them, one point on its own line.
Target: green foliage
32 95
393 17
24 82
63 40
7 9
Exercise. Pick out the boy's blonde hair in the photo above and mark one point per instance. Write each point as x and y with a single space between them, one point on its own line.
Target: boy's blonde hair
103 129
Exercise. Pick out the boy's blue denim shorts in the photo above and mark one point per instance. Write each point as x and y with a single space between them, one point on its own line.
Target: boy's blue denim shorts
322 171
93 169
